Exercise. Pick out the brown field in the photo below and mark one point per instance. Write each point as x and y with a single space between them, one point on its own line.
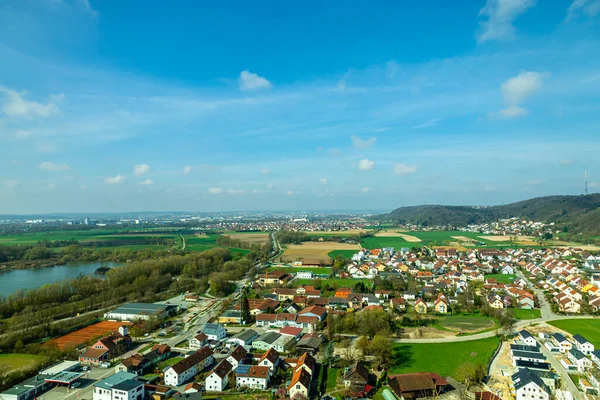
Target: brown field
456 246
349 232
410 238
86 334
388 234
315 251
253 238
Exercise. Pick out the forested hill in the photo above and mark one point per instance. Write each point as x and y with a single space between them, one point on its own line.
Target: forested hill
578 213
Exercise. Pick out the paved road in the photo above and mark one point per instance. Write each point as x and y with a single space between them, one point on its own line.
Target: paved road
567 382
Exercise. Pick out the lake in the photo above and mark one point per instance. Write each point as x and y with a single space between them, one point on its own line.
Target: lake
14 279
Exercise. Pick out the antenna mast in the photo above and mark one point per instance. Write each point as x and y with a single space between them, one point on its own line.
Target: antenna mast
586 189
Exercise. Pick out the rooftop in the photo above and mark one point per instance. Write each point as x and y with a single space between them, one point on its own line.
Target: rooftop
142 308
115 379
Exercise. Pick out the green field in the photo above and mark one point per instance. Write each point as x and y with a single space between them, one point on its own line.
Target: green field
502 278
332 374
346 253
333 282
466 323
393 241
169 362
588 328
442 358
314 270
19 361
521 313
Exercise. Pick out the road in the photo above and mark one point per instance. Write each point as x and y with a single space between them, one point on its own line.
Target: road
567 382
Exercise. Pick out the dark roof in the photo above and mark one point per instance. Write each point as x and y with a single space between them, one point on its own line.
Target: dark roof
356 372
222 369
525 334
528 354
245 335
127 385
576 353
580 339
238 353
300 377
558 337
272 355
418 381
543 366
525 377
521 347
268 337
192 360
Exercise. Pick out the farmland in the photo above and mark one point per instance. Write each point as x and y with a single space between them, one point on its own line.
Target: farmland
346 253
442 358
314 270
588 328
84 335
315 252
251 237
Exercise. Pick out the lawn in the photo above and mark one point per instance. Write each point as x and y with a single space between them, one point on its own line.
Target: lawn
346 253
521 313
19 361
332 374
169 362
466 323
502 278
333 282
397 242
445 359
588 328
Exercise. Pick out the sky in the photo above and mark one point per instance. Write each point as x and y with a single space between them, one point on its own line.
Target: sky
116 106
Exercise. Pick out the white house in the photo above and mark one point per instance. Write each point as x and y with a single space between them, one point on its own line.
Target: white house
270 359
243 338
529 386
237 356
187 368
583 345
579 359
198 341
120 386
252 376
218 378
596 357
214 331
304 275
527 338
561 342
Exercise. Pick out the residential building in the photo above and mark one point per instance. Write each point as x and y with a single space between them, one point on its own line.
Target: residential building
107 348
237 356
561 342
356 376
120 386
527 338
300 384
270 359
579 359
529 386
214 331
198 341
252 376
583 345
218 378
420 306
187 368
243 338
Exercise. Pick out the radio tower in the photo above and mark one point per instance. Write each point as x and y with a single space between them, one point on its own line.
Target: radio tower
586 191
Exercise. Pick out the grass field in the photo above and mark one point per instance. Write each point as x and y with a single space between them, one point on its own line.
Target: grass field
250 237
588 328
521 313
443 358
169 362
466 323
19 361
502 278
333 282
332 374
346 253
316 271
313 252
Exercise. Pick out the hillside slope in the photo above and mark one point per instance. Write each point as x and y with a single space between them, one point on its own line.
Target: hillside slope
578 213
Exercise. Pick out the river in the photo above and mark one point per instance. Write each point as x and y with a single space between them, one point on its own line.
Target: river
12 280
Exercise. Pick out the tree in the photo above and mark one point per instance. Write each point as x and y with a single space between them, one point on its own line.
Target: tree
364 345
245 309
381 348
329 357
507 321
330 332
348 351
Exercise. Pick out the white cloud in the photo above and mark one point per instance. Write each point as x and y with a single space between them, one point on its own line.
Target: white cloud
365 164
587 7
265 171
215 190
517 89
360 144
50 166
341 85
22 134
16 106
566 162
83 187
324 181
141 169
10 185
251 81
594 184
88 8
427 124
365 189
403 169
115 180
534 182
187 169
499 16
146 182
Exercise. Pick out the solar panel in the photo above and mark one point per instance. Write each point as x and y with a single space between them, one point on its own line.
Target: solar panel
243 369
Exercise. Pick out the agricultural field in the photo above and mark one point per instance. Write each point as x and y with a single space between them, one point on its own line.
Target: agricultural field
442 358
521 313
397 242
250 237
333 282
19 361
346 233
346 253
315 252
502 278
588 328
84 335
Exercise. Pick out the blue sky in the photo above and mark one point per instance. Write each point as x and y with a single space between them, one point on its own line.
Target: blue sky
110 106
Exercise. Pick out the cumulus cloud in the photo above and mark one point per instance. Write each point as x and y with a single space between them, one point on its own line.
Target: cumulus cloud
498 18
365 164
22 134
187 169
360 144
365 189
115 180
146 182
215 190
324 181
50 166
265 171
403 169
141 169
586 7
15 105
251 81
517 89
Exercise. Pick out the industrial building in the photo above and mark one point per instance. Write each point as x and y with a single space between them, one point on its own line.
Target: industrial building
145 311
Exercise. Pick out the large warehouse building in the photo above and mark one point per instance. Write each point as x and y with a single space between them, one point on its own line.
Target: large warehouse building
137 311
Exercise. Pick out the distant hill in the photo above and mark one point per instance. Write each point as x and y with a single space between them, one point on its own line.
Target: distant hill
581 214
